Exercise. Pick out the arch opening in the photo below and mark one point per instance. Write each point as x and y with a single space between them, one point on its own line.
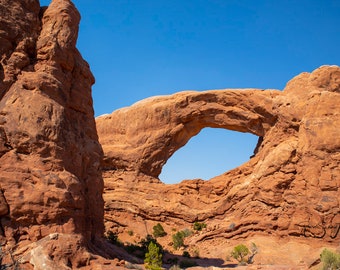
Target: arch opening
210 153
45 3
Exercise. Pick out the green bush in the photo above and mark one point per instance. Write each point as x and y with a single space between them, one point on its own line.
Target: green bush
153 258
330 260
243 254
158 231
239 253
178 240
198 226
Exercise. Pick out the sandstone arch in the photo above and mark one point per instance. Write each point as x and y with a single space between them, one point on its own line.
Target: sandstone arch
144 136
292 182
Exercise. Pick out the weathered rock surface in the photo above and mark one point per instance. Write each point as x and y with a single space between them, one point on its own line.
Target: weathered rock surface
290 188
49 152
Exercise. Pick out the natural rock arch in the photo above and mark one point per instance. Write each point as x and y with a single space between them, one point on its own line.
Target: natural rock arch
142 137
289 187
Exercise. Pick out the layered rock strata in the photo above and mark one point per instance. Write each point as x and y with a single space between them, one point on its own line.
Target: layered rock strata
290 187
49 152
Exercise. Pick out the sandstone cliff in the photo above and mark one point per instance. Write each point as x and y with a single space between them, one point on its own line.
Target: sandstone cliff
290 188
51 184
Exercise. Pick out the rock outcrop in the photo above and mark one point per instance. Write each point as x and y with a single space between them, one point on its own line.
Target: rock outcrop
51 184
289 188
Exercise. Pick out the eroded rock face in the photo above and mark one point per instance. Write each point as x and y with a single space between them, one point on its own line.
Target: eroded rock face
49 151
289 188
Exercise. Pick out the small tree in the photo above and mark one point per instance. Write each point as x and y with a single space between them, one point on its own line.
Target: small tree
198 226
158 231
178 239
239 253
153 258
330 260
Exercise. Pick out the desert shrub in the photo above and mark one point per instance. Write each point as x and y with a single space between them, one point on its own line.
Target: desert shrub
153 258
178 240
330 260
187 263
198 226
239 253
130 232
158 231
243 254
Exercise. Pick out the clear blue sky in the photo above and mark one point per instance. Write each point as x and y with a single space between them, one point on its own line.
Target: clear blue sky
142 48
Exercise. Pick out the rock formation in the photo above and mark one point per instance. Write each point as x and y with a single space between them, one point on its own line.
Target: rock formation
51 205
289 188
51 184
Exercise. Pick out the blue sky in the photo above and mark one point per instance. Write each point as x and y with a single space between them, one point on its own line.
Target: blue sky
141 48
